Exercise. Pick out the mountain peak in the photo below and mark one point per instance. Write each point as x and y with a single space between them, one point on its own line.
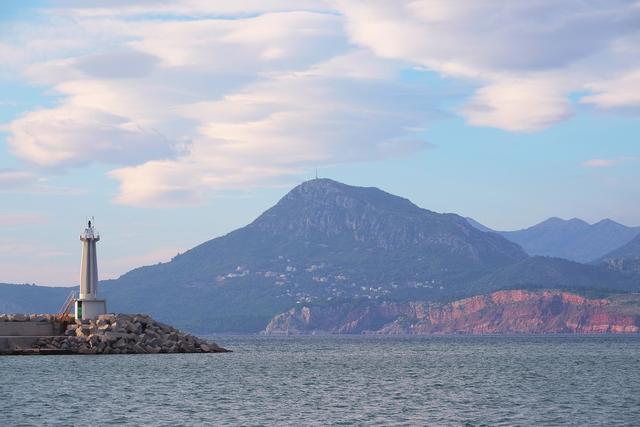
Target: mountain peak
323 192
577 221
327 213
318 183
320 187
555 222
330 185
609 223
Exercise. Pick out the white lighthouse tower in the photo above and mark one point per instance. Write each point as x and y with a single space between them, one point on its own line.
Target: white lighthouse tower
87 306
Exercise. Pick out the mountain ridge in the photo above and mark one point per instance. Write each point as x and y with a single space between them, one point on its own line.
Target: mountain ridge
625 260
573 239
628 251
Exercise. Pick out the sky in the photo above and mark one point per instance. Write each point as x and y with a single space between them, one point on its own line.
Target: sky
173 122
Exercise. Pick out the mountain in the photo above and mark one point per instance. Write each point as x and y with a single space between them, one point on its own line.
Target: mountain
625 259
513 311
479 226
629 251
572 239
324 244
323 241
31 298
557 273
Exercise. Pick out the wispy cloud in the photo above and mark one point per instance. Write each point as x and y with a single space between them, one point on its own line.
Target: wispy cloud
242 94
526 59
607 163
11 178
15 181
18 248
600 163
21 218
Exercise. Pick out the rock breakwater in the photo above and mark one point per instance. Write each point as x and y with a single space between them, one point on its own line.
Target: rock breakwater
119 334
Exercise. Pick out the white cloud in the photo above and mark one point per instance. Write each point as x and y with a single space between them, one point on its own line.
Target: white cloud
621 92
526 57
269 42
75 136
184 98
517 106
272 129
189 107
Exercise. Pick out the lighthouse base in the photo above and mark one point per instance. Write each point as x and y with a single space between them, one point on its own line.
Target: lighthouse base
90 309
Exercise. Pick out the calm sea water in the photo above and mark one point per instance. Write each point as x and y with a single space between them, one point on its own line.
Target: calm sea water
494 380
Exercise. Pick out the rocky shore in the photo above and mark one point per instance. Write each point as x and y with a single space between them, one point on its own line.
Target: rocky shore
116 334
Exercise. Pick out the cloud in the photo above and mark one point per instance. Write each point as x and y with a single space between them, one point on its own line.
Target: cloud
273 129
599 163
621 92
10 179
27 182
10 54
265 43
607 163
188 8
525 57
22 218
185 108
119 64
184 98
69 135
517 106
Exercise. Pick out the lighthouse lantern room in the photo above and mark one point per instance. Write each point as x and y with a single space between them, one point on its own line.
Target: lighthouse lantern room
88 306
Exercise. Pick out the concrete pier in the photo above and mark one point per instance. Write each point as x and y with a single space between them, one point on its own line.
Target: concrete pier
19 333
31 329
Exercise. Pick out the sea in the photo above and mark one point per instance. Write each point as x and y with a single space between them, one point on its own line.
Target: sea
539 380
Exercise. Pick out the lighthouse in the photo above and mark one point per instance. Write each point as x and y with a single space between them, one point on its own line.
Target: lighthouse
88 306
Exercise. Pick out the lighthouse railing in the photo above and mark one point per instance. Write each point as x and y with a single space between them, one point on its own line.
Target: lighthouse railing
66 307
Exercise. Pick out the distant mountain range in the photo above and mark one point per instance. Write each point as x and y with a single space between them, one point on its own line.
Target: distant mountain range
323 244
572 239
29 298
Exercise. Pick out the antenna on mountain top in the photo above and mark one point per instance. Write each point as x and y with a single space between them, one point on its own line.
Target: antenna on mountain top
316 173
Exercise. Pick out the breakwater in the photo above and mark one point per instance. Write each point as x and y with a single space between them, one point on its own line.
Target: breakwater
109 334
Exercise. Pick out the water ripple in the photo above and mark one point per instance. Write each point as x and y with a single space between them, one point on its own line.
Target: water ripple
314 381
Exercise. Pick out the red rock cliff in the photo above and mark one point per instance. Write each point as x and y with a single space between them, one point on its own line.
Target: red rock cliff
513 311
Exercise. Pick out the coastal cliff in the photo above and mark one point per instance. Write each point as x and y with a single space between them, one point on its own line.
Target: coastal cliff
511 311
